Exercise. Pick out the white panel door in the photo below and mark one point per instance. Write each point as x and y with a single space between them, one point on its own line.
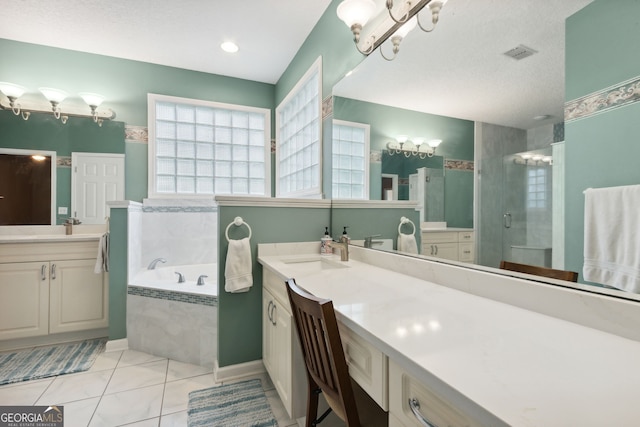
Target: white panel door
97 178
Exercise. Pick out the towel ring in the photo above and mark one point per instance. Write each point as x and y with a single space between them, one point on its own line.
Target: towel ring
238 221
405 220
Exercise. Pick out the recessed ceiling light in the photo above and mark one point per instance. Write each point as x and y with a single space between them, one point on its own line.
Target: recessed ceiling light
542 117
229 47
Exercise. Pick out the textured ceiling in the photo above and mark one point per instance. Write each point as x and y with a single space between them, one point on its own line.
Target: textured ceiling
459 70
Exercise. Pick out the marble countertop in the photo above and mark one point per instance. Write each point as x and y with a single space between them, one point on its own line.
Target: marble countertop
521 367
36 238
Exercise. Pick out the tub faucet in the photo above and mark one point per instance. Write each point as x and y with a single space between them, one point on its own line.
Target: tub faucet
201 279
180 277
343 245
152 264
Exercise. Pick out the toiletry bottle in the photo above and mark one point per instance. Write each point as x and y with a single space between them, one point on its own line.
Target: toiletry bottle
345 236
325 243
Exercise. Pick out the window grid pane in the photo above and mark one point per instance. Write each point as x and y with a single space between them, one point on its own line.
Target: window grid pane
348 162
299 140
206 150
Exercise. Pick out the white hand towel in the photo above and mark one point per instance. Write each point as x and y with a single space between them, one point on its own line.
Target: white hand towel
407 243
612 237
238 268
102 260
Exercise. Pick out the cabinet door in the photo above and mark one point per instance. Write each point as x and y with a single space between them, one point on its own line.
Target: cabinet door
465 252
283 337
268 347
79 297
24 299
446 250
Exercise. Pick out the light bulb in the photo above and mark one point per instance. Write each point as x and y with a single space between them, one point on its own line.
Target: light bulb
53 95
353 12
11 90
434 143
92 99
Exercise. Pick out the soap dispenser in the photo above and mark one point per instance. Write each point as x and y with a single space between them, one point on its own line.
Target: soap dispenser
325 243
345 236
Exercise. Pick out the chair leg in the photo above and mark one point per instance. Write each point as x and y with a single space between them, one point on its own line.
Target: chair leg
313 393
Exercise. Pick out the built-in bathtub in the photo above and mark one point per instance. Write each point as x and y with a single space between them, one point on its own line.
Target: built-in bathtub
171 319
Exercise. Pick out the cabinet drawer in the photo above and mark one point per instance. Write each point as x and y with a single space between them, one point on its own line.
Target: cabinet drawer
466 236
403 388
466 252
276 286
439 236
368 366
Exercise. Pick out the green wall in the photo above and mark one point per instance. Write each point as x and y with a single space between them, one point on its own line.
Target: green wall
601 149
240 315
118 255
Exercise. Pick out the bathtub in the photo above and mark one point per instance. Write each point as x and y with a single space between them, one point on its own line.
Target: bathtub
174 320
166 279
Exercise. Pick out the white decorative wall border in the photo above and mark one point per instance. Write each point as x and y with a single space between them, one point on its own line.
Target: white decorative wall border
138 134
63 161
327 107
612 97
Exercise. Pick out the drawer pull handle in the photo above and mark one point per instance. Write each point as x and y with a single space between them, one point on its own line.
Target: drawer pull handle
43 272
269 311
273 317
415 408
53 272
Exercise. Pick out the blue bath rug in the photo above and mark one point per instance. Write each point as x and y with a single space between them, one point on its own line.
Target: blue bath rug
46 362
240 404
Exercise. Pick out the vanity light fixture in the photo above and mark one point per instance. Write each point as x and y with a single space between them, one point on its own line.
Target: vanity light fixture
530 159
357 13
55 97
403 145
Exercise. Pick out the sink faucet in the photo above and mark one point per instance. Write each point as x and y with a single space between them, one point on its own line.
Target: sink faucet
369 242
152 264
201 280
343 245
180 277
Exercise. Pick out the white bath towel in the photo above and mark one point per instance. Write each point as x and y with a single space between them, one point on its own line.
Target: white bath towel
612 237
238 268
407 243
102 260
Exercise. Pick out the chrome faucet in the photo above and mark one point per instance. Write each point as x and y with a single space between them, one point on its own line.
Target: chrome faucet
152 264
180 277
369 242
201 280
343 245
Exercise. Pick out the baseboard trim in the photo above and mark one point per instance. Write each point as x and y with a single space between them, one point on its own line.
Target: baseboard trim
117 345
239 370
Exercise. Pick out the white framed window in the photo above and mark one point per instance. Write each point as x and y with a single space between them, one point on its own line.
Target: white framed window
350 160
299 138
537 188
203 148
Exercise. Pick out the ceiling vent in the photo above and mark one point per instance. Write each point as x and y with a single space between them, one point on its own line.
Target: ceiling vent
520 52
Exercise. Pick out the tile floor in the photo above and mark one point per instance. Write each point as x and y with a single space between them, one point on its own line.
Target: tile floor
127 388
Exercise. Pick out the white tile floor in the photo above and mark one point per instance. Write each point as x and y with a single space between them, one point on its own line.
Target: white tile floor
127 388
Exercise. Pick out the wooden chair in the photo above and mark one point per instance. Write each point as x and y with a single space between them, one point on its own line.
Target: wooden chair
570 276
323 354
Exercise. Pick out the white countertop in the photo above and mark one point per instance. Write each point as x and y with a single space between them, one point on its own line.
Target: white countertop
525 368
35 238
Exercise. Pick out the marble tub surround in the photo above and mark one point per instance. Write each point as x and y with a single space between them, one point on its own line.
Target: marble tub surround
500 363
181 231
182 331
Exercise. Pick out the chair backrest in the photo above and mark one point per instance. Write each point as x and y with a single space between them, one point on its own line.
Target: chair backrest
571 276
322 350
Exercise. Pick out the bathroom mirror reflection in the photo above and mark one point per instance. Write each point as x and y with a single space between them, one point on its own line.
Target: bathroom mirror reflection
27 187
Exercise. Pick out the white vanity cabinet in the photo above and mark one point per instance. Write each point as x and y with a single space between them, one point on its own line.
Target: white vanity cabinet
411 403
281 353
453 244
50 288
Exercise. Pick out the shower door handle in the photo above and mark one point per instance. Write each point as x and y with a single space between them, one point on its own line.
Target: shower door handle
507 220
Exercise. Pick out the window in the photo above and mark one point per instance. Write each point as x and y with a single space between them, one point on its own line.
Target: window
350 170
298 132
199 148
536 188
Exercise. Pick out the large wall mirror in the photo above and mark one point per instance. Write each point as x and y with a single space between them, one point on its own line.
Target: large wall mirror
508 135
35 190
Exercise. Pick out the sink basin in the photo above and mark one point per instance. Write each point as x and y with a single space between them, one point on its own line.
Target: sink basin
315 263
